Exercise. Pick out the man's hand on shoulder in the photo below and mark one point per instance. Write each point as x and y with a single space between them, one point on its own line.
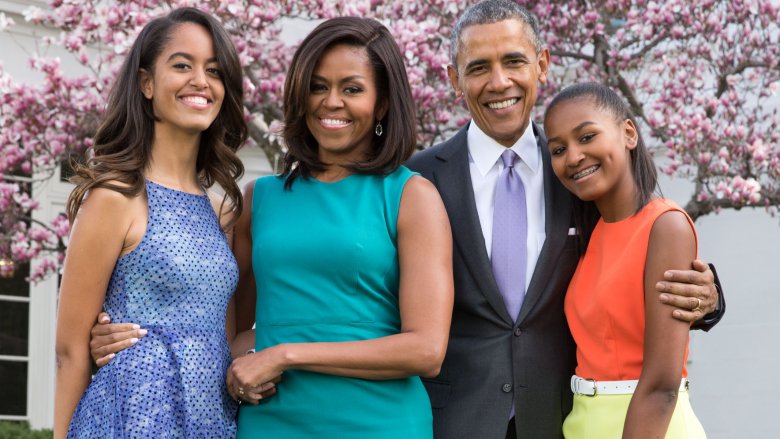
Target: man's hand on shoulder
692 292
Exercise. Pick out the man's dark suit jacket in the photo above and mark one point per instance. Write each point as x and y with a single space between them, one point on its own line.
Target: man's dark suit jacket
490 360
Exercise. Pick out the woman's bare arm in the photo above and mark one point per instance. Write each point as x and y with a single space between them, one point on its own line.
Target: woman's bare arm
672 246
97 240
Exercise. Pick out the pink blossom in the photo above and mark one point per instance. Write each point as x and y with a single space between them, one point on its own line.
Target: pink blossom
5 22
713 123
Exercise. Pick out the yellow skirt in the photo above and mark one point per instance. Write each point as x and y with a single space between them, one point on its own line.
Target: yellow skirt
602 417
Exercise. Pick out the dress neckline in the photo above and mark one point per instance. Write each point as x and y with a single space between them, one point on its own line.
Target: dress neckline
329 183
176 190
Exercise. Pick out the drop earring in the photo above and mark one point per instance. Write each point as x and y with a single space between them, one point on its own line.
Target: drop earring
378 129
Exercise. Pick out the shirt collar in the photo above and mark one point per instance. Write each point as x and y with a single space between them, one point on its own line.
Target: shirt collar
485 151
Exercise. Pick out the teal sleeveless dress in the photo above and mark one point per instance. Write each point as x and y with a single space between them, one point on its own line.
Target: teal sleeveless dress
325 261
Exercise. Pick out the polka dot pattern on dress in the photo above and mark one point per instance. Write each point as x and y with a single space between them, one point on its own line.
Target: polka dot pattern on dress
176 284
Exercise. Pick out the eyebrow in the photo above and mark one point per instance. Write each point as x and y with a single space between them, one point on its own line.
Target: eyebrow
577 128
189 57
347 79
583 124
506 56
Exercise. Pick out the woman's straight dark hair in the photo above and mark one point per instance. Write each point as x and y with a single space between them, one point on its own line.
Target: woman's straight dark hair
642 166
388 151
123 142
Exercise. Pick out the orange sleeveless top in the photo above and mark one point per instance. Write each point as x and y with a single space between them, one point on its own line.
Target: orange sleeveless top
605 304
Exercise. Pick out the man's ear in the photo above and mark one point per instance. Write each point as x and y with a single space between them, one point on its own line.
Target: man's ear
452 72
631 133
544 64
145 83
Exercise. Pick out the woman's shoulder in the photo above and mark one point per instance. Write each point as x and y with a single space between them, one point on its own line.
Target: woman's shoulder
112 194
257 189
266 181
399 180
402 173
109 204
671 222
665 204
660 206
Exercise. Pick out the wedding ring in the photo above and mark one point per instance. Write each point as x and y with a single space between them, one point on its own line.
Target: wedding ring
241 391
698 305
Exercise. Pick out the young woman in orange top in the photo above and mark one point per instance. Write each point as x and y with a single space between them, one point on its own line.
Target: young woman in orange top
630 379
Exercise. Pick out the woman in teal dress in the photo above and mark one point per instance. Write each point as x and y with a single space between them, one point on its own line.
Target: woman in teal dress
345 258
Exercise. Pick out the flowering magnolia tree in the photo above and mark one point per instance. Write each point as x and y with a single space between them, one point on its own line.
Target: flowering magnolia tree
702 77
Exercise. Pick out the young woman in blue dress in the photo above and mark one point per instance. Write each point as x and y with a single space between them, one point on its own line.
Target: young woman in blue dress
345 258
148 242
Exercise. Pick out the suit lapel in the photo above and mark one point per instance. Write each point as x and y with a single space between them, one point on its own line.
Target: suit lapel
557 221
453 180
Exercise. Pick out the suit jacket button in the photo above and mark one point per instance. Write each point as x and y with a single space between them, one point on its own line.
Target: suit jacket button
506 388
518 332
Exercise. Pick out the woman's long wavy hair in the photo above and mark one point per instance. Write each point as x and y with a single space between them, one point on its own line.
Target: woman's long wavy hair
123 142
642 165
387 152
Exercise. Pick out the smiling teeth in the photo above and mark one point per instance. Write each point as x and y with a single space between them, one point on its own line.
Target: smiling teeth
335 122
502 104
198 100
585 172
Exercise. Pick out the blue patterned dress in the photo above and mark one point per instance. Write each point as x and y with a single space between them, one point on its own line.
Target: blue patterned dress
177 284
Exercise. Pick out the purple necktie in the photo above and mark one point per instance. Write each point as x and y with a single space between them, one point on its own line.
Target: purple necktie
510 229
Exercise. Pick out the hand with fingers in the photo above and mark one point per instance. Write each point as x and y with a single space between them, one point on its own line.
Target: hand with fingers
251 394
247 383
692 292
106 338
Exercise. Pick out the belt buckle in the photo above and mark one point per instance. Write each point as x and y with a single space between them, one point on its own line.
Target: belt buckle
576 385
595 388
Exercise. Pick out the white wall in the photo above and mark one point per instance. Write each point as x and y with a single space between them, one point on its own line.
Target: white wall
733 389
16 44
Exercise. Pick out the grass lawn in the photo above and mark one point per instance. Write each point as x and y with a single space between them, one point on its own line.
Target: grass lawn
21 430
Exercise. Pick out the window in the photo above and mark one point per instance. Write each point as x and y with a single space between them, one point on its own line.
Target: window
14 327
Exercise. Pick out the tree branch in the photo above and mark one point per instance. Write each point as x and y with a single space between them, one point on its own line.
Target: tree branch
575 55
698 209
723 84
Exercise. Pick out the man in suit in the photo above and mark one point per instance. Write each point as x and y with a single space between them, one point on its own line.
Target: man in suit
510 354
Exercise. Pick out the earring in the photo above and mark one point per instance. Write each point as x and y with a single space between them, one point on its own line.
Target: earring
378 129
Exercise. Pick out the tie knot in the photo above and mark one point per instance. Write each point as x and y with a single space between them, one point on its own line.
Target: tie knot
508 157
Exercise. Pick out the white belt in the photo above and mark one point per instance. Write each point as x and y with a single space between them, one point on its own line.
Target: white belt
588 387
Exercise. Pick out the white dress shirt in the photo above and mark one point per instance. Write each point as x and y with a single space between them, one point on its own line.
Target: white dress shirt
485 165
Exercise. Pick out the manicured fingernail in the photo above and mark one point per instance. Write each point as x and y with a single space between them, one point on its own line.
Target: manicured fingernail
104 319
133 340
111 356
136 326
142 332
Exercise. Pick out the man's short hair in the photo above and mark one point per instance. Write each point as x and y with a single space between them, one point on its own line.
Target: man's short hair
493 11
